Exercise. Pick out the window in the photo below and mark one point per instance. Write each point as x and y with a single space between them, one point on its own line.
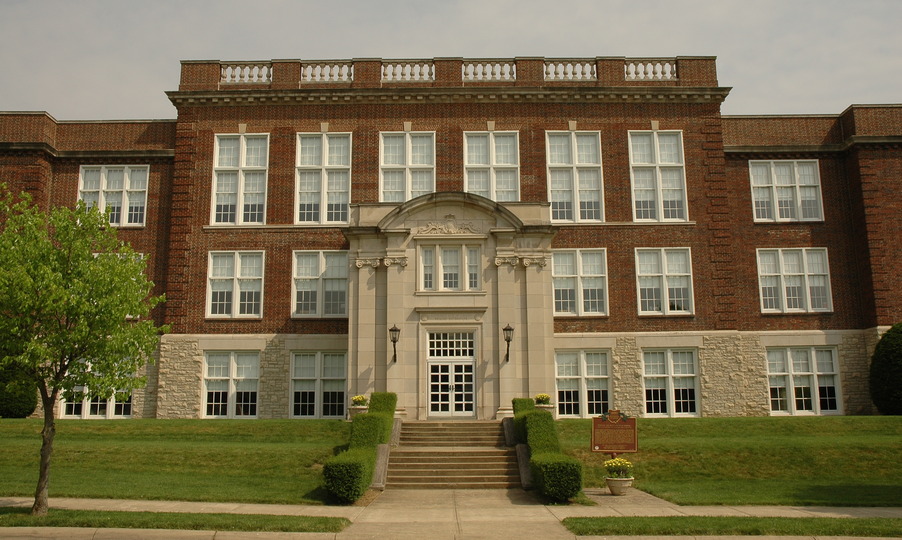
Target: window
234 273
119 190
239 179
450 268
670 382
492 165
664 281
81 403
407 165
659 186
794 280
230 384
786 190
318 384
803 380
582 383
574 176
320 285
323 177
580 282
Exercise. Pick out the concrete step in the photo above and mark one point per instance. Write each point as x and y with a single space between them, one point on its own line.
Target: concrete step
446 455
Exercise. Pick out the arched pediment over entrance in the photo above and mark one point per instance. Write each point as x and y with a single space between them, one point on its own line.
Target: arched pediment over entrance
450 213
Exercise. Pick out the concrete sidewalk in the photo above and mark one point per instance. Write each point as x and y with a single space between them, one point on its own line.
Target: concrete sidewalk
420 514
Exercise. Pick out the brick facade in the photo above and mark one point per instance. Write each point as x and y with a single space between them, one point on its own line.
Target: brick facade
859 162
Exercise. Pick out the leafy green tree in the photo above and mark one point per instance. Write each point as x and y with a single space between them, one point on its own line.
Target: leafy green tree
886 372
18 393
74 308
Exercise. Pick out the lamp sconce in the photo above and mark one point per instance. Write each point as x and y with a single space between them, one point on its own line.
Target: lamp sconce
393 334
508 336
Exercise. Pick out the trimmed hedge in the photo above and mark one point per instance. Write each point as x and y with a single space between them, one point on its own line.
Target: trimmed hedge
383 402
348 475
370 429
541 433
557 476
523 404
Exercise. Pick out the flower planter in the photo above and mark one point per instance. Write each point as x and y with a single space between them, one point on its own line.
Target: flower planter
354 410
545 407
618 486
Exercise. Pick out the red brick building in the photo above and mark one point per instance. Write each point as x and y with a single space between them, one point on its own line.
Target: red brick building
643 251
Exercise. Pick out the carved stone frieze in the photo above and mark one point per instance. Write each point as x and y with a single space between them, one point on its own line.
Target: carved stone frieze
449 227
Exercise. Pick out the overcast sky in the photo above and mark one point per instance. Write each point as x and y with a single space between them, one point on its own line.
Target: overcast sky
93 59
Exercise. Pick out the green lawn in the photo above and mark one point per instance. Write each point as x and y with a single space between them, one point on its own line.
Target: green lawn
732 526
20 517
831 461
260 461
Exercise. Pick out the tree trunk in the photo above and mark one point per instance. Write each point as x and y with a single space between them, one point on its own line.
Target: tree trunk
41 503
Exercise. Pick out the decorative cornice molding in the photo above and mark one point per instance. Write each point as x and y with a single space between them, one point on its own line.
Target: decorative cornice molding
371 262
538 261
400 261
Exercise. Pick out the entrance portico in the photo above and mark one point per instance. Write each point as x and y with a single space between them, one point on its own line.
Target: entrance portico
450 270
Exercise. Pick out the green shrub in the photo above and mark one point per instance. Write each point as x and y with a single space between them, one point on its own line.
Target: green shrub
370 429
348 475
557 476
384 402
886 372
523 404
18 395
541 432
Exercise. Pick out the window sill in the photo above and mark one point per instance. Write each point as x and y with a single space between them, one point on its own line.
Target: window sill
807 313
451 293
318 317
215 318
666 315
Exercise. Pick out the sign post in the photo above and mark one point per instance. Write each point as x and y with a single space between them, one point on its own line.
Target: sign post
614 433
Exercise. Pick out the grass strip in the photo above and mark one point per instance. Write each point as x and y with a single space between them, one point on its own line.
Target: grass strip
725 526
20 517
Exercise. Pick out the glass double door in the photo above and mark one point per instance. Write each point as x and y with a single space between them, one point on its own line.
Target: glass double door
451 389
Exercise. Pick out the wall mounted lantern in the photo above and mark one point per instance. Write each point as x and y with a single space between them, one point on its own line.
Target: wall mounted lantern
393 334
508 336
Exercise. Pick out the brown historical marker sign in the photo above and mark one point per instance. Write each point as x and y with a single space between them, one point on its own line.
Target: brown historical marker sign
614 434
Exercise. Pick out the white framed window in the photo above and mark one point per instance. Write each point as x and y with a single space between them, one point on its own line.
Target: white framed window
119 189
664 281
492 164
231 380
794 280
406 165
658 176
670 377
582 382
323 177
318 384
575 186
450 267
786 190
579 277
803 380
239 179
81 403
320 284
235 284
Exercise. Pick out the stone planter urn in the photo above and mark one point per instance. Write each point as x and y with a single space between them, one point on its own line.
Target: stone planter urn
618 486
545 407
354 410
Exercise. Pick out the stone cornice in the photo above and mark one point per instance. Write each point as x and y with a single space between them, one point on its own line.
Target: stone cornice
86 154
394 95
855 140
